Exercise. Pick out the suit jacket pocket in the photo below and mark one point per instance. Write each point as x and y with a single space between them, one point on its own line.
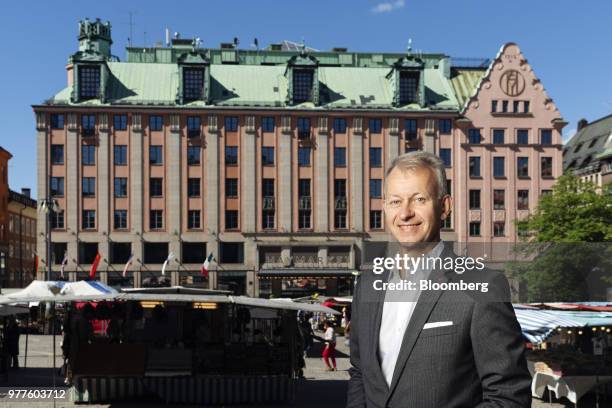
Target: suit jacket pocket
438 331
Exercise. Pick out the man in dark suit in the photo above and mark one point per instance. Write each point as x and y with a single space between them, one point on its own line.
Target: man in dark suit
432 347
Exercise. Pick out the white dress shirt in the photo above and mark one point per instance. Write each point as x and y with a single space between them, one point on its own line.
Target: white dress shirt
395 318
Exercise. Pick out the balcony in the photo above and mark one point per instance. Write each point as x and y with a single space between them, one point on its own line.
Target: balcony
340 203
268 203
305 203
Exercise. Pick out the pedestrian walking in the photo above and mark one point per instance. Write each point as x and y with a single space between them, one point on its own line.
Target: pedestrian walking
12 342
329 352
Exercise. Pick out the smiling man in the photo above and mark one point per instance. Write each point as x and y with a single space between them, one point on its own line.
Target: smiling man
432 348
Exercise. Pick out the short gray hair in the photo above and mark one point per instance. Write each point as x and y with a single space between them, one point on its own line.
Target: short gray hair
421 159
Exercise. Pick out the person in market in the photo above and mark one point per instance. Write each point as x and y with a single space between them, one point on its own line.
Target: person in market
329 352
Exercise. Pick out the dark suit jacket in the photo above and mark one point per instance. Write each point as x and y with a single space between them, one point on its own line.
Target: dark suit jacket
478 361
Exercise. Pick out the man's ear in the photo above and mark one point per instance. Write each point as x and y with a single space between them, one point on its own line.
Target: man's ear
447 206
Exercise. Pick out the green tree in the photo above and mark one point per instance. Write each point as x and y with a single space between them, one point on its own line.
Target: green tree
566 242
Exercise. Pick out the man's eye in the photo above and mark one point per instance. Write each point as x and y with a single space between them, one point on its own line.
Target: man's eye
394 202
421 199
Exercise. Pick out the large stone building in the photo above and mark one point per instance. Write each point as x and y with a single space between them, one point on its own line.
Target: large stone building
588 154
5 156
22 215
273 160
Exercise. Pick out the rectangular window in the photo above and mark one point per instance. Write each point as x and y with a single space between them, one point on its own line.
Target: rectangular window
475 166
340 156
89 219
57 186
193 83
120 219
231 219
120 122
499 229
474 136
499 199
445 126
499 167
498 136
267 124
156 155
375 219
447 222
88 155
493 106
120 252
339 188
156 122
121 187
304 188
304 219
303 156
88 125
231 155
57 154
57 221
526 106
193 155
156 187
231 252
231 187
410 127
267 219
546 136
193 219
445 156
303 125
57 121
156 219
474 199
546 192
89 186
522 166
267 187
231 123
408 87
474 229
339 125
523 200
340 219
505 106
303 80
546 166
267 155
522 136
89 82
375 188
120 155
516 106
193 187
375 125
193 126
375 157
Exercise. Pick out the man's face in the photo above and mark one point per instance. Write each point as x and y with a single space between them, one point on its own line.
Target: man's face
413 212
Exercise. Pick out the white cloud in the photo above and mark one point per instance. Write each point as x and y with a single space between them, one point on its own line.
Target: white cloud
387 7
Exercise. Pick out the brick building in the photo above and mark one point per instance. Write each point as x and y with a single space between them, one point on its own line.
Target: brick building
5 156
273 160
21 237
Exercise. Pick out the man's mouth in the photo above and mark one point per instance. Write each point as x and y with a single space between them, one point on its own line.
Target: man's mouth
409 227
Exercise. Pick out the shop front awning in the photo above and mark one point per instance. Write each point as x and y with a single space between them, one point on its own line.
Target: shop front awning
537 325
304 272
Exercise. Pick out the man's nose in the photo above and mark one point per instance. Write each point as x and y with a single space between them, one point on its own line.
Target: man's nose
406 211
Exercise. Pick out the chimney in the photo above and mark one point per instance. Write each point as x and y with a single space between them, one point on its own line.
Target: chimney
582 123
25 192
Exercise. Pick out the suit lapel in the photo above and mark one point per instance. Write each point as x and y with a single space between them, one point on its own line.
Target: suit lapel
377 309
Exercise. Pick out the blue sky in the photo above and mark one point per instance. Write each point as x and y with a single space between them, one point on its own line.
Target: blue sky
565 41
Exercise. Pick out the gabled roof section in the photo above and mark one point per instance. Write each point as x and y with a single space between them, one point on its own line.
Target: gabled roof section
591 144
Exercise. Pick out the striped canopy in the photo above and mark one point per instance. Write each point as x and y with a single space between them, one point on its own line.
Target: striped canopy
537 325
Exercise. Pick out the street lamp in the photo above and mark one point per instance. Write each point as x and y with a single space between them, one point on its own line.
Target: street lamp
49 206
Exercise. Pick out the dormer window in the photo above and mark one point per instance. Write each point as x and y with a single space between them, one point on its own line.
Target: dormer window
89 82
302 85
193 83
409 87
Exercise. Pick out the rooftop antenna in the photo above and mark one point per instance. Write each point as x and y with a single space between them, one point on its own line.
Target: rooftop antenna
409 47
303 47
167 37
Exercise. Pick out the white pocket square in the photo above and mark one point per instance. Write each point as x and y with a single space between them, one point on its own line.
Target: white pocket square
433 325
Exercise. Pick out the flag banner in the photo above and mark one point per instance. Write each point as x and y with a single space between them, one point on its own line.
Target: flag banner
64 262
127 265
94 267
170 256
204 267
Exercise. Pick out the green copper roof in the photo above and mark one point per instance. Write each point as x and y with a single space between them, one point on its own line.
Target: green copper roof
464 82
